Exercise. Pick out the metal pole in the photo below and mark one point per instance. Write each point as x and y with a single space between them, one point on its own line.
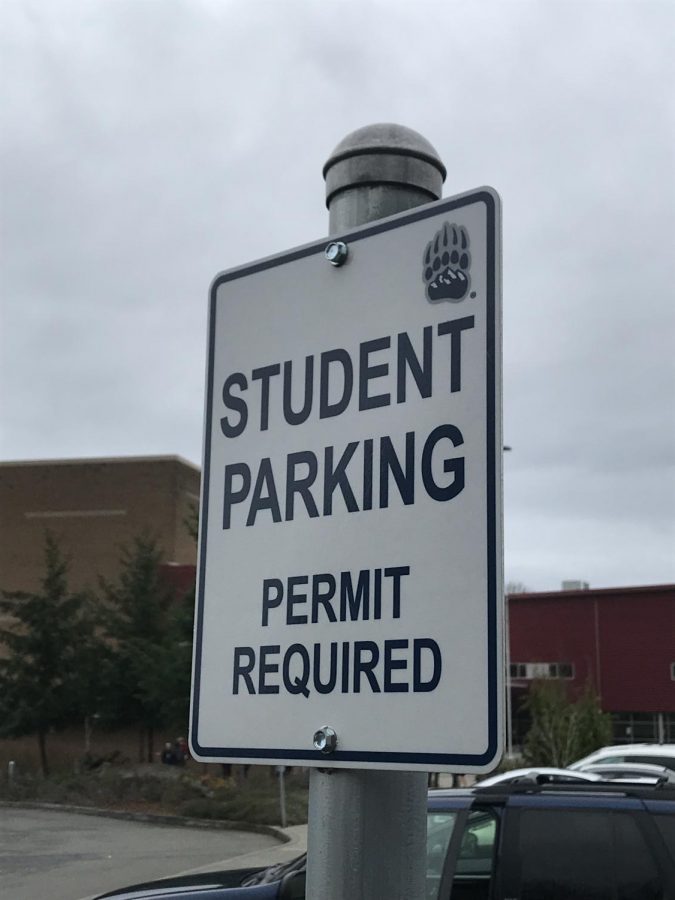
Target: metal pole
281 771
509 700
507 656
367 829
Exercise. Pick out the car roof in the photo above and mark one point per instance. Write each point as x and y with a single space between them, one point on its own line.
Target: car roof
667 751
637 768
533 772
628 764
658 749
458 798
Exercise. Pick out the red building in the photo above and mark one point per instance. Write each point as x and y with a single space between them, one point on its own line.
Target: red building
620 641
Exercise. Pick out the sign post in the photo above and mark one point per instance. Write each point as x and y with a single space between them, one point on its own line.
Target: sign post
349 588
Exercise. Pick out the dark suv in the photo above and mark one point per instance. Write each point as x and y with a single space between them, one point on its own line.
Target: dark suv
507 842
553 842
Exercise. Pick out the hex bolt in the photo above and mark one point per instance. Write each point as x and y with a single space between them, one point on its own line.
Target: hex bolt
336 253
325 739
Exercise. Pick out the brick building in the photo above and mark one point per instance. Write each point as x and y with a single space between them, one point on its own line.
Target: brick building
621 641
93 507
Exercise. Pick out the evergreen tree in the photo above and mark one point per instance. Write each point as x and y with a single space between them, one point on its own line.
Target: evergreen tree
191 522
137 618
48 671
178 663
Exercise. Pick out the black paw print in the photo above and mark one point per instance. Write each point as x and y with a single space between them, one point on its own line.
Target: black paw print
447 261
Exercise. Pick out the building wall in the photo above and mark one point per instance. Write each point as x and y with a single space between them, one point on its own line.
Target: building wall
555 628
637 651
621 640
93 507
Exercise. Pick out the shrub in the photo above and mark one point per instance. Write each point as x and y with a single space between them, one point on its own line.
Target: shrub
563 731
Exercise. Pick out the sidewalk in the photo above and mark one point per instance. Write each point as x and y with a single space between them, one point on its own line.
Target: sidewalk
282 853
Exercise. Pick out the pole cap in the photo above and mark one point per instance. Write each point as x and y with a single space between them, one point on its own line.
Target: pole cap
384 154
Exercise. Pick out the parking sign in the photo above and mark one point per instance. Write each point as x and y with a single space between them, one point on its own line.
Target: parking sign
349 604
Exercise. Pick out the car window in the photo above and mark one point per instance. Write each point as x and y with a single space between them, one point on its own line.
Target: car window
440 826
473 871
583 853
666 761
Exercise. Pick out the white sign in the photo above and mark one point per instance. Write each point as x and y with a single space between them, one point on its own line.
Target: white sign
350 561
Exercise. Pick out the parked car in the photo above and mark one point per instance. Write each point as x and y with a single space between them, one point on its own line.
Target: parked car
540 775
628 771
535 842
656 754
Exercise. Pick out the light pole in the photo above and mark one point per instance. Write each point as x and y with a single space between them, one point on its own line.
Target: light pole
507 657
509 712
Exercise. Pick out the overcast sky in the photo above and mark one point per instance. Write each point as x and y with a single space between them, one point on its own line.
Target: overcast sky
148 145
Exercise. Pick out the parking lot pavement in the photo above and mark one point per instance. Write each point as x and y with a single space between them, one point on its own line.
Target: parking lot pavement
68 856
268 855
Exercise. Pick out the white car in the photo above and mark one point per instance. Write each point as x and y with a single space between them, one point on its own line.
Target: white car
654 754
540 775
630 772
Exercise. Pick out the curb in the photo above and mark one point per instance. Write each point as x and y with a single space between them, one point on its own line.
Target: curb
152 818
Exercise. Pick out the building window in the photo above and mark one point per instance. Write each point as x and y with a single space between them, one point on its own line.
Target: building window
669 728
541 670
672 671
635 728
651 728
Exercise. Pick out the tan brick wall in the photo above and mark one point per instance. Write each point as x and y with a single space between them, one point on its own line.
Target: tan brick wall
93 507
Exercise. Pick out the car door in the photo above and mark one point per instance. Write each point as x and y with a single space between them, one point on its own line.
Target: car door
557 848
470 871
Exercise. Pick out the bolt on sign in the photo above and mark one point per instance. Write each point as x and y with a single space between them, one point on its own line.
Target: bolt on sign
349 604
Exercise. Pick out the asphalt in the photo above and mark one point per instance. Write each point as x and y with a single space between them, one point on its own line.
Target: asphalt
274 845
295 843
66 855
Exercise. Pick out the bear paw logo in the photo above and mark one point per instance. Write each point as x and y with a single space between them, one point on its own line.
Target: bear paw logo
447 261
